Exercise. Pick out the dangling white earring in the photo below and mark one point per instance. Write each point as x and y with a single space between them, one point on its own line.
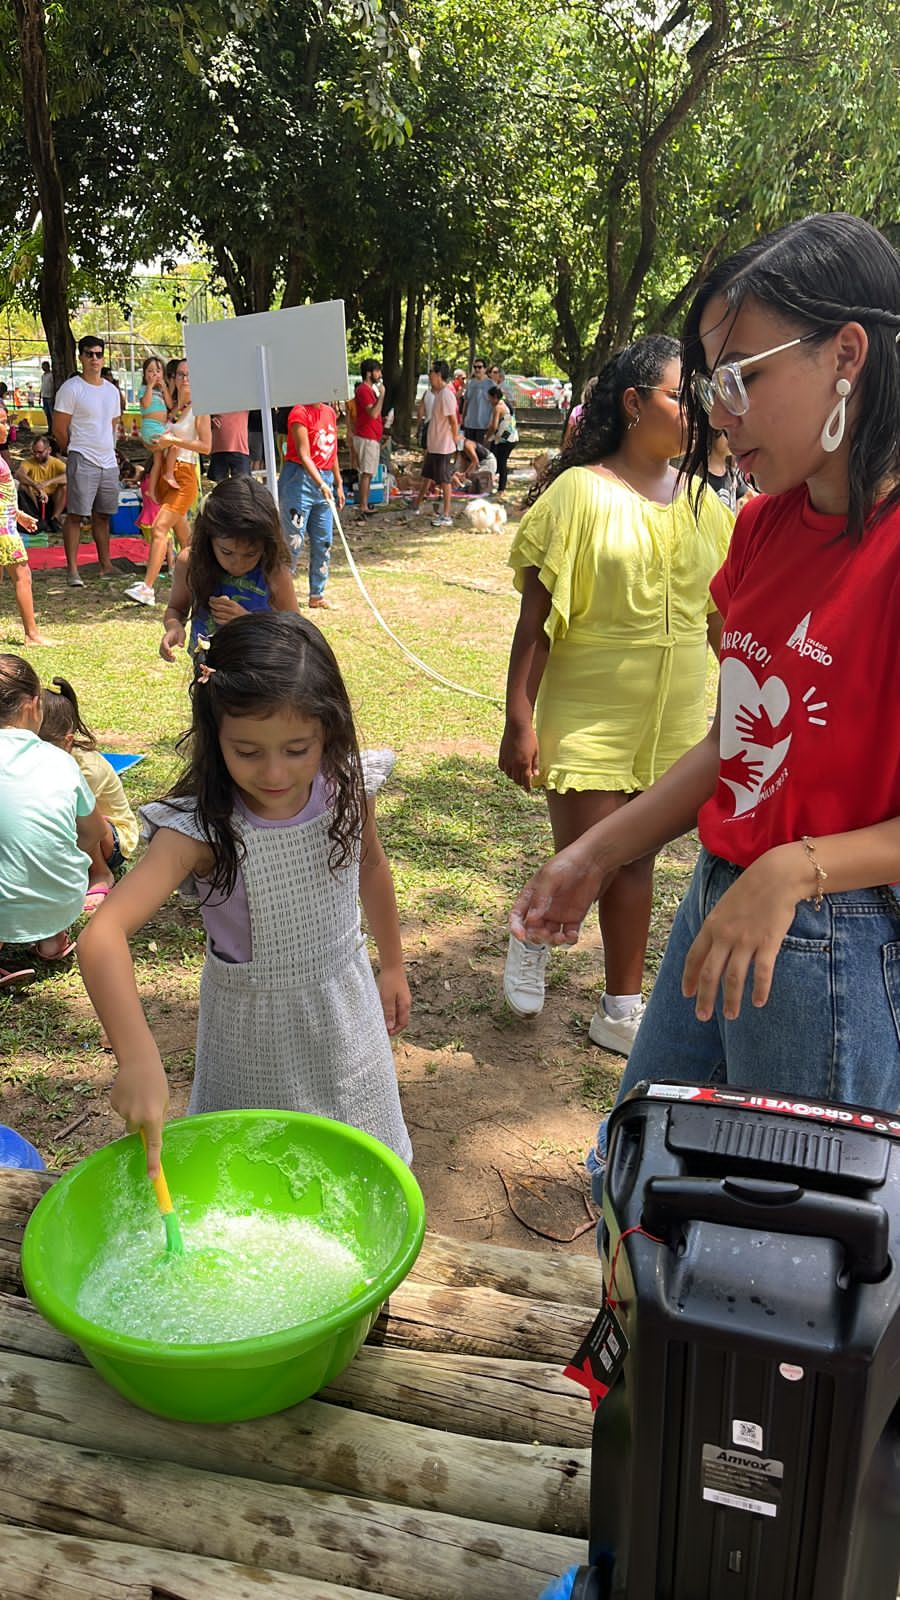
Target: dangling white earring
634 422
832 434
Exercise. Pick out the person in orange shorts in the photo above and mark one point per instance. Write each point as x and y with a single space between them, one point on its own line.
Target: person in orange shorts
192 436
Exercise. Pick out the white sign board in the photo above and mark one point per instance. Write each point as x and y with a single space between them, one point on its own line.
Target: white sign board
306 358
294 357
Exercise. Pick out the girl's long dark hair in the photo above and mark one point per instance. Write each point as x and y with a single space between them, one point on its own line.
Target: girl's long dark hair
599 430
18 682
241 509
62 717
815 275
263 663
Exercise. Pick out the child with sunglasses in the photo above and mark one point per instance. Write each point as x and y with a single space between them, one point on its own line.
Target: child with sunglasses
782 971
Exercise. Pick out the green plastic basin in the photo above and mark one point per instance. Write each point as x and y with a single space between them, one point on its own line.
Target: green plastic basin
279 1162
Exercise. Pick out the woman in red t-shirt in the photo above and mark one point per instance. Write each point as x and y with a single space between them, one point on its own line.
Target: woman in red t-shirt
309 484
783 966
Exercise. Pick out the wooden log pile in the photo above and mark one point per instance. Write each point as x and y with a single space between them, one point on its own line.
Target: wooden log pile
448 1462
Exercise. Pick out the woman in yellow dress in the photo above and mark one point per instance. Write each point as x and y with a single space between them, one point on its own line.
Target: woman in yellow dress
607 671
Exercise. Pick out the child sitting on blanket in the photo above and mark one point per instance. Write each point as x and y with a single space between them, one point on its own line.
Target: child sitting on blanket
49 827
62 726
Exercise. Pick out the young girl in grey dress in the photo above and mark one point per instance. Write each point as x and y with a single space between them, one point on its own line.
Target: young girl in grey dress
274 821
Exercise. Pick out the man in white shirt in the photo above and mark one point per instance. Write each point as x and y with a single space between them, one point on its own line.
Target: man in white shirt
85 422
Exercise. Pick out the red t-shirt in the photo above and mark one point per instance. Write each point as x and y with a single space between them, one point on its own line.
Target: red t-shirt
810 679
320 423
364 426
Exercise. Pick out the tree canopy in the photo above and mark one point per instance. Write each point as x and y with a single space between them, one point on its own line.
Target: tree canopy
568 171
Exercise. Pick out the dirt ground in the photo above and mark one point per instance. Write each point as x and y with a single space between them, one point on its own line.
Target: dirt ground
493 1104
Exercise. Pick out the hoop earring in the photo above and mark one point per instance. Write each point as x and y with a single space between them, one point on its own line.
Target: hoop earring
832 434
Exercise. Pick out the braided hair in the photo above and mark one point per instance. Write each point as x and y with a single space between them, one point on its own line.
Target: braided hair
816 275
601 426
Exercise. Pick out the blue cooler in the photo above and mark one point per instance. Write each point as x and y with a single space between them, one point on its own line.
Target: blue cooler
124 522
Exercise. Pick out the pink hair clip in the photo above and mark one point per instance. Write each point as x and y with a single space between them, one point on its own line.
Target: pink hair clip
204 673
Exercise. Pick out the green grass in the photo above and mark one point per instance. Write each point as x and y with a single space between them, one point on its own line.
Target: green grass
461 839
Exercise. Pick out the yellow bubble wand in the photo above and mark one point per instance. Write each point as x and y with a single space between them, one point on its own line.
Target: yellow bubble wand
174 1241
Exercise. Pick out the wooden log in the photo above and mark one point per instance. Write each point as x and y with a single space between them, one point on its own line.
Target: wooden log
316 1445
483 1322
20 1192
23 1328
460 1264
414 1555
56 1566
525 1401
421 1316
457 1263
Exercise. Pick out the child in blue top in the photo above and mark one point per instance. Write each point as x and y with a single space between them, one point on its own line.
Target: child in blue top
274 819
49 825
236 562
156 401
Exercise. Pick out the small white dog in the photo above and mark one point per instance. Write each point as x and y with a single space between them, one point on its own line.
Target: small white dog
485 517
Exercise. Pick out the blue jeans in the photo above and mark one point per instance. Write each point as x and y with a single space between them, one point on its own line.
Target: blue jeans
306 513
830 1028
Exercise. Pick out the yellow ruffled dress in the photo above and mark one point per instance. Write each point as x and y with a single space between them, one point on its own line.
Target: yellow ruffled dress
623 692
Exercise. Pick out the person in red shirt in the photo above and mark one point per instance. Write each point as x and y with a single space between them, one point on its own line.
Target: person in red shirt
368 428
782 970
308 487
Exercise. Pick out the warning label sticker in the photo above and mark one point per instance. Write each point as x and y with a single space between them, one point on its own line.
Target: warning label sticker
744 1482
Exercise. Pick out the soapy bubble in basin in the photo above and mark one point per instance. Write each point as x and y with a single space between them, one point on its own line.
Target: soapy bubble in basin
241 1276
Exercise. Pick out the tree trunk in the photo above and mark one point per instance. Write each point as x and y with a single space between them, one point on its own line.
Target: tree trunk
617 322
405 400
391 328
294 280
249 278
53 292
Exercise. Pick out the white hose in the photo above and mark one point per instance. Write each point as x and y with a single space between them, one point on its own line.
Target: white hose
416 660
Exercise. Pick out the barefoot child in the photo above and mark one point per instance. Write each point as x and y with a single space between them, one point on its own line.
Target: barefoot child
62 726
13 555
274 819
49 825
236 562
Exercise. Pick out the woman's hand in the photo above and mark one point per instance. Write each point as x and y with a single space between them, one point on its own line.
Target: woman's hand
140 1094
395 998
26 522
173 639
747 925
555 902
519 757
224 609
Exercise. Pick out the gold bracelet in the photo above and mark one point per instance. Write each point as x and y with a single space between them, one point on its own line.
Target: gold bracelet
818 869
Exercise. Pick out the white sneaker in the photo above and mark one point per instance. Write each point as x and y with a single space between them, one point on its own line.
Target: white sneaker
142 593
442 522
523 977
616 1034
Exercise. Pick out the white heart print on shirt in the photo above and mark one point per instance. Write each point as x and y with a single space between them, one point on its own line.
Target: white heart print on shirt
749 747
